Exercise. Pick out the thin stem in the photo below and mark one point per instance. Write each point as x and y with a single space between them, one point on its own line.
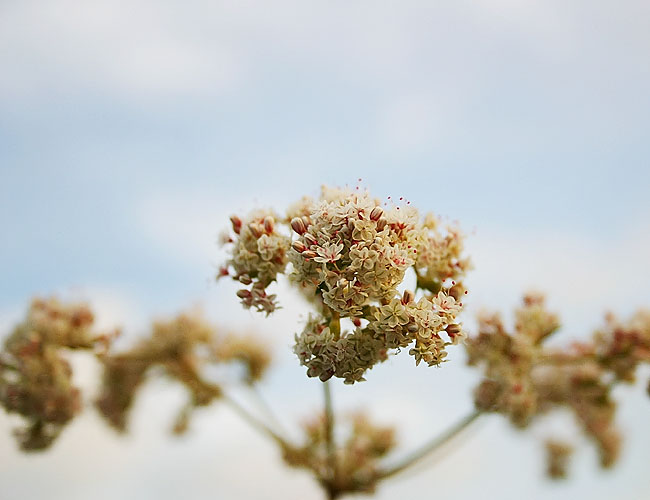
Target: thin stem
329 429
267 410
431 446
256 423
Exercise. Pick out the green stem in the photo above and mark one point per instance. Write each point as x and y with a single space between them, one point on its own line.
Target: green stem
335 324
329 430
254 422
426 283
431 446
266 409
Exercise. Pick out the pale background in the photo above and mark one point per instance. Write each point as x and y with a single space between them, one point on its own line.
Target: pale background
129 131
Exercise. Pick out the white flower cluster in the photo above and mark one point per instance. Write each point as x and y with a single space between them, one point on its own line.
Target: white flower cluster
349 256
259 254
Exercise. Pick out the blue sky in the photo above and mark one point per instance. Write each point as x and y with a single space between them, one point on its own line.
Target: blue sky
129 131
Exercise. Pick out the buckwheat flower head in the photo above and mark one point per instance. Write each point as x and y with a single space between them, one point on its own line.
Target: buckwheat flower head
348 255
622 345
357 457
524 379
247 350
35 378
182 347
258 255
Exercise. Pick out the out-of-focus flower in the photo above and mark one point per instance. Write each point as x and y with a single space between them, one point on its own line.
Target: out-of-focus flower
524 379
182 347
35 378
357 458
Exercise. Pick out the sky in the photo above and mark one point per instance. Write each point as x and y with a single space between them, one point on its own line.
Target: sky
130 131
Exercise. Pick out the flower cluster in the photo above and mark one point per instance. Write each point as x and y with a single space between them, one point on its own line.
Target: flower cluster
349 255
525 379
258 255
181 347
35 379
357 459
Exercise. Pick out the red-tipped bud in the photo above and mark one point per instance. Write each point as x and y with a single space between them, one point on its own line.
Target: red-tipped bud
245 279
453 329
356 322
376 214
407 297
268 224
298 246
309 254
236 223
298 225
255 229
309 238
243 294
456 291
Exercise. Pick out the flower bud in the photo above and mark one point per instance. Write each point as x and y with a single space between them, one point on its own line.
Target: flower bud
268 224
243 294
381 224
255 229
309 254
298 225
407 297
236 223
456 291
376 214
245 279
453 329
298 246
309 238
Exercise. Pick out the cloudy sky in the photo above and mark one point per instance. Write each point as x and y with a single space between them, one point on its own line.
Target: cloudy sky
129 131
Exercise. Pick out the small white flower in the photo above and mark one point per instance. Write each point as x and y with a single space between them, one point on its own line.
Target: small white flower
329 252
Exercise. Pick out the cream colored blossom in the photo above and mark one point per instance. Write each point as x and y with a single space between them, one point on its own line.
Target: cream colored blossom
348 255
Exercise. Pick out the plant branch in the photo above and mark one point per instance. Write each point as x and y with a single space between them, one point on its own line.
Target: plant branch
431 446
254 422
267 410
329 430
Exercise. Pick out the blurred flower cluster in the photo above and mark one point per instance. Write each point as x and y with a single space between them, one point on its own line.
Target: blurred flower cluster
350 257
35 377
524 379
355 467
181 347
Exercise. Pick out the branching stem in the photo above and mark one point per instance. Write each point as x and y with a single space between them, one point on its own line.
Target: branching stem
254 422
431 446
267 410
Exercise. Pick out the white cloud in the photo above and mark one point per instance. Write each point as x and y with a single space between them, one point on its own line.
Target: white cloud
133 50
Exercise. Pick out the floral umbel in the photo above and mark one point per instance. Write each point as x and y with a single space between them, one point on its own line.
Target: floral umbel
351 256
524 379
